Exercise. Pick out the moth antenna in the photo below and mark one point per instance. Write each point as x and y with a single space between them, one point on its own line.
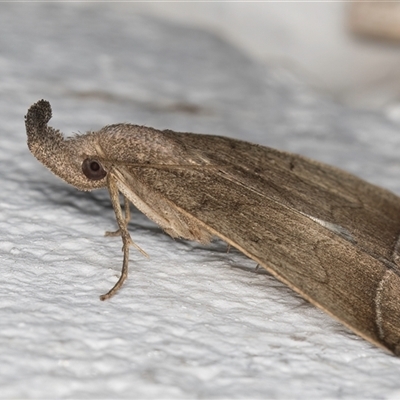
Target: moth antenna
39 134
45 143
39 114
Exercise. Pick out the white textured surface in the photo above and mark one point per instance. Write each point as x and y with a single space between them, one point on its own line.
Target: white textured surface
192 321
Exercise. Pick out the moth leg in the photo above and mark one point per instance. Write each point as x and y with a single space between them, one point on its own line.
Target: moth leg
123 232
127 213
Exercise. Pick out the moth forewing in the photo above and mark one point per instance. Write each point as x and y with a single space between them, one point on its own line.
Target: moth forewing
329 235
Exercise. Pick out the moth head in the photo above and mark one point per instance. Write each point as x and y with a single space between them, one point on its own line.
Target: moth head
74 159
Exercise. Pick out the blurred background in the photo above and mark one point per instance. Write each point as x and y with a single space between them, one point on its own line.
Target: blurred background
350 50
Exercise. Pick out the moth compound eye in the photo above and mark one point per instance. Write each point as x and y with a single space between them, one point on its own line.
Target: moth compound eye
93 170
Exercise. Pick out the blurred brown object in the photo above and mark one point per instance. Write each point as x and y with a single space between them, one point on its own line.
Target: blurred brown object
379 19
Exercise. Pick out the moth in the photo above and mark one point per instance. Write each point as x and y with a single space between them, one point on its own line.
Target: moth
330 236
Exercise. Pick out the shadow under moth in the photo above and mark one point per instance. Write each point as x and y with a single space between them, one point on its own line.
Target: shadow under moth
328 235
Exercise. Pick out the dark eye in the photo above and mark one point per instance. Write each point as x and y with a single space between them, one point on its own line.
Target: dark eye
93 170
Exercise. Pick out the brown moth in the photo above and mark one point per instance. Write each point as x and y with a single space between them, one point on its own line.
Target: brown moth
328 235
